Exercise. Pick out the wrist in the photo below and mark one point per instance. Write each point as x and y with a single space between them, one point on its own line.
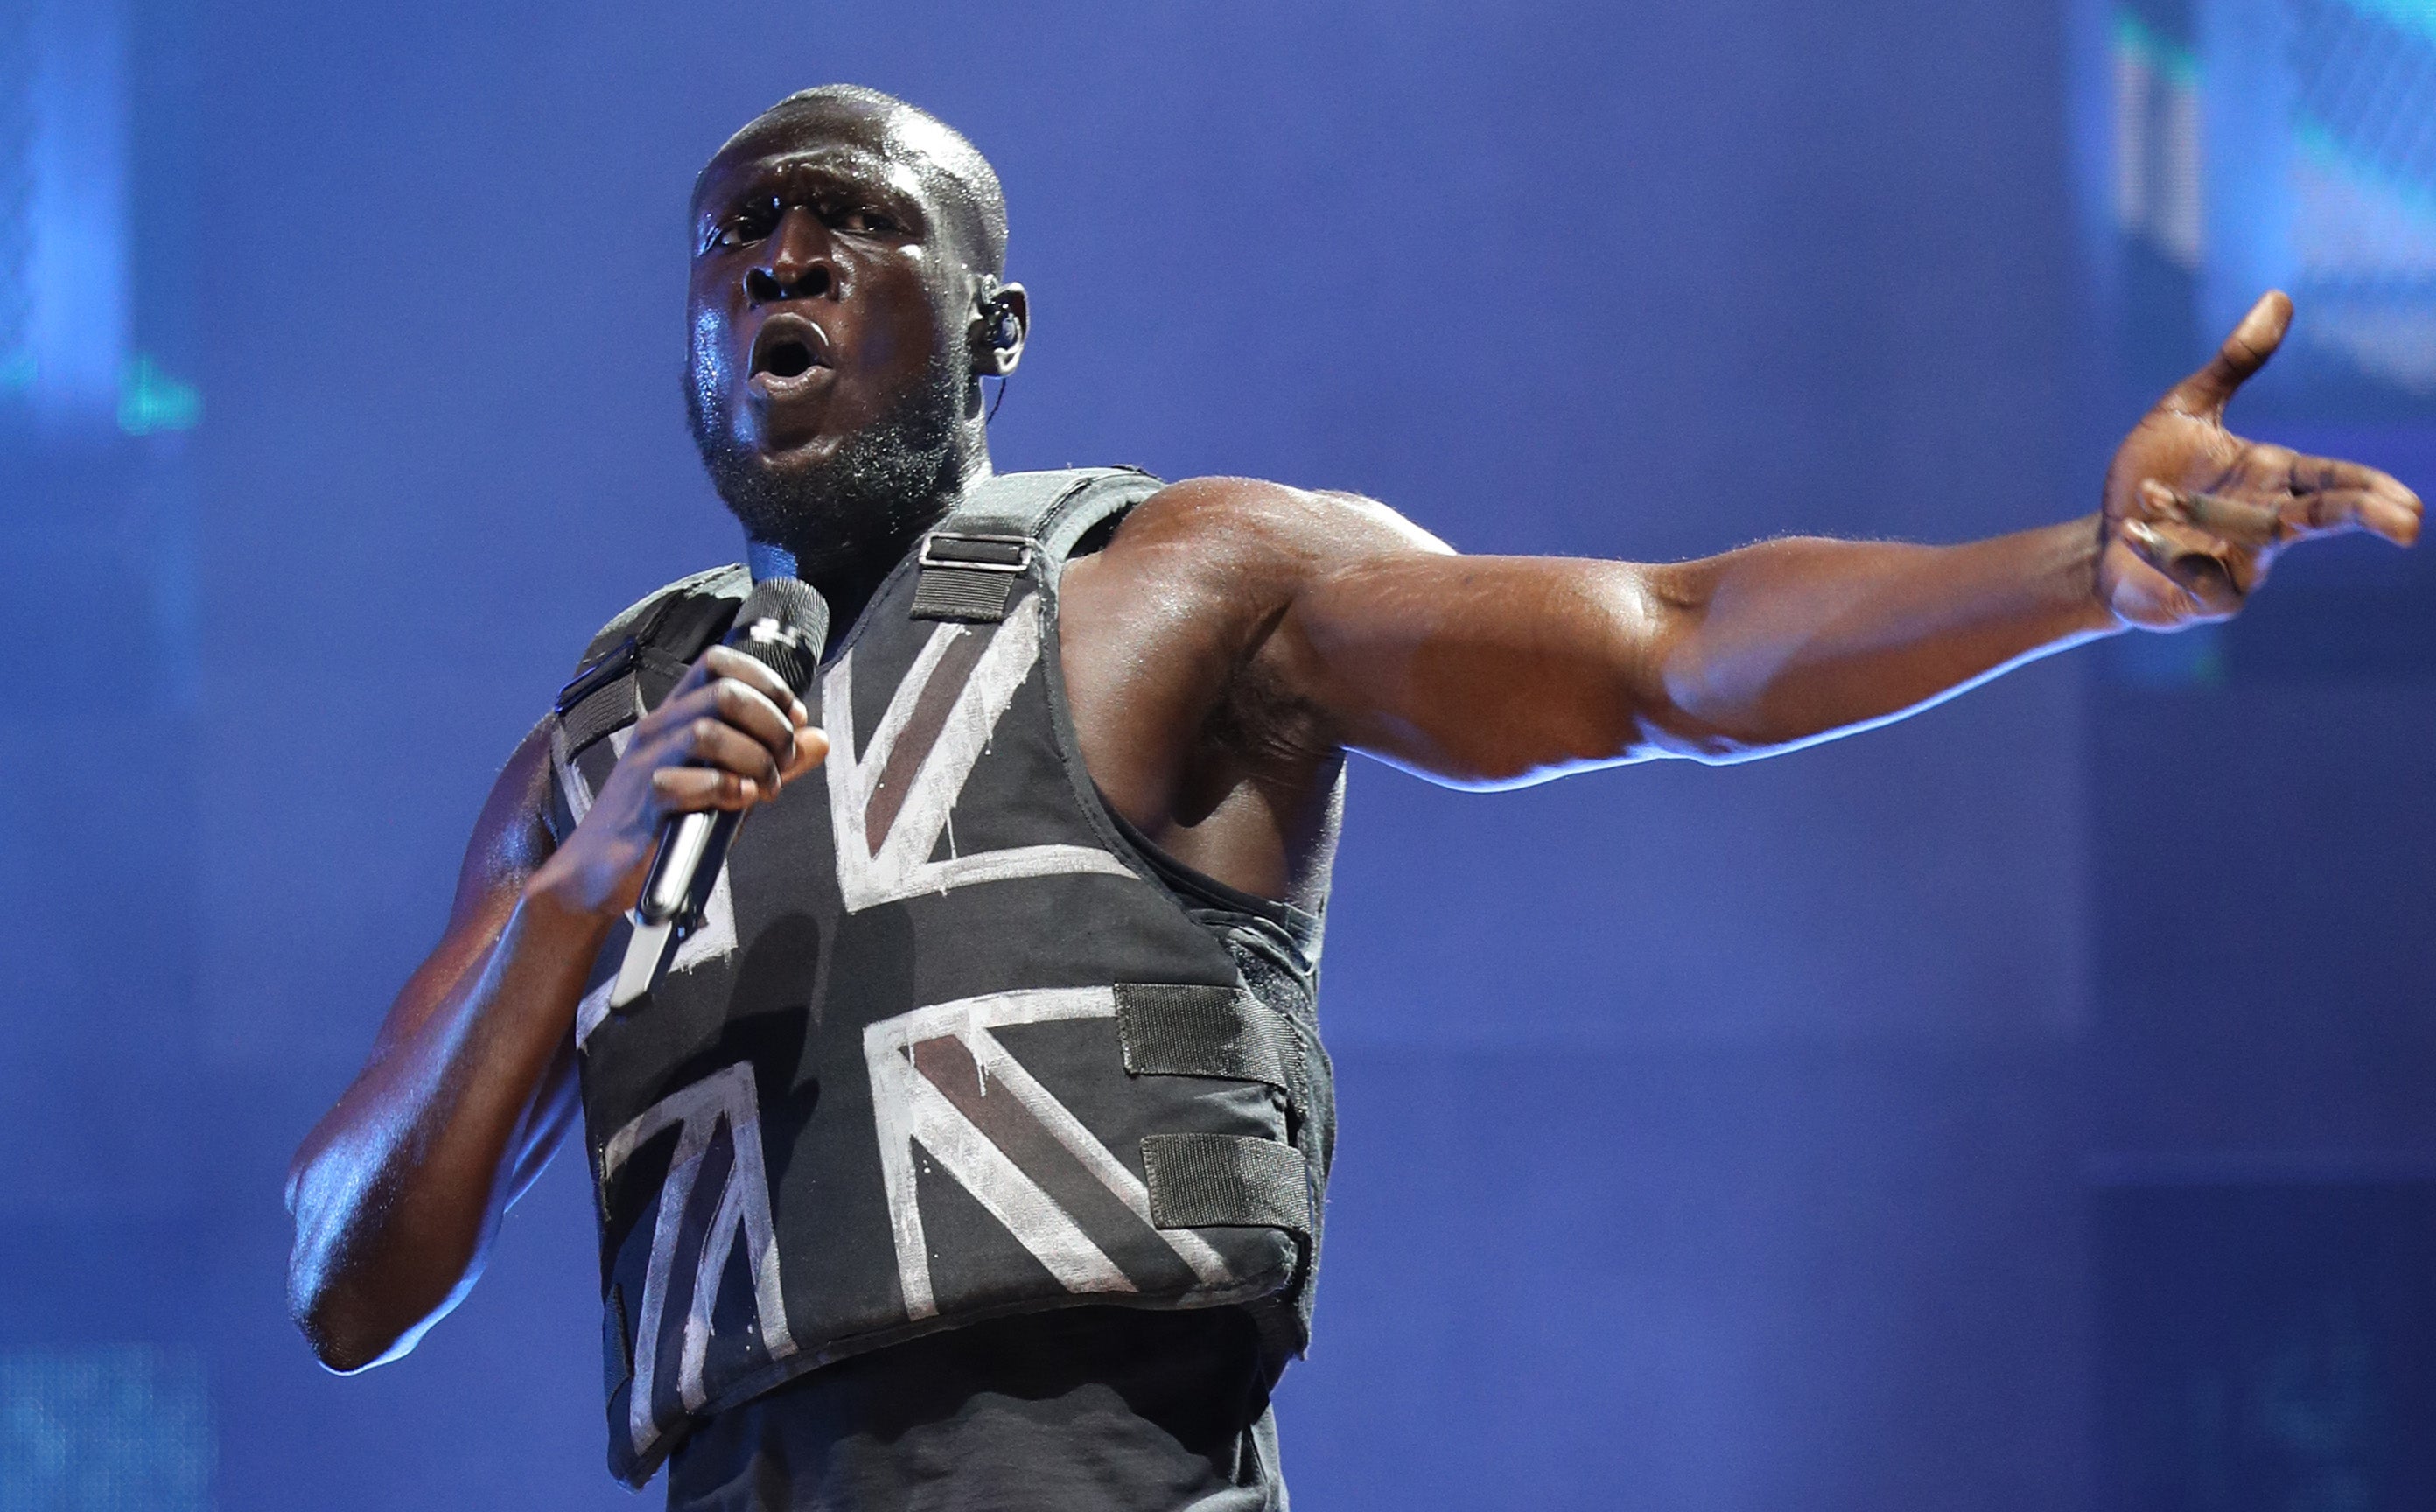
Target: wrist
559 896
2085 580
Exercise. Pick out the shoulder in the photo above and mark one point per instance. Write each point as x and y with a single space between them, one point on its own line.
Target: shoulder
726 582
1249 528
732 580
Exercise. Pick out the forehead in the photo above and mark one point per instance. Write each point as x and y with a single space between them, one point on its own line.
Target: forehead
898 153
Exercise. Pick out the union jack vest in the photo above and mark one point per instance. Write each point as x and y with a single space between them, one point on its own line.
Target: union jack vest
950 1041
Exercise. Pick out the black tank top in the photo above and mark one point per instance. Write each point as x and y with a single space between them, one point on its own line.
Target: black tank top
1095 1409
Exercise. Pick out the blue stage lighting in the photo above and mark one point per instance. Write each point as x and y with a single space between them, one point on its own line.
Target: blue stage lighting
122 1428
2256 144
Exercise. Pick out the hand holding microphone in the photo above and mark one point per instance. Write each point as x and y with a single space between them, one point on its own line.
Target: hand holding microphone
722 741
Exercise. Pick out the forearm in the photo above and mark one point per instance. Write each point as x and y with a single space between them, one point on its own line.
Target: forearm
397 1189
1793 641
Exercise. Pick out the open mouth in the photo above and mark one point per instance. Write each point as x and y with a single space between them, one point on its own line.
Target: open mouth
788 351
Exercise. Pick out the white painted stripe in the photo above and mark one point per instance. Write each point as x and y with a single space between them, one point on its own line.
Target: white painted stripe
1196 1252
906 1109
898 866
714 939
593 1011
743 1212
571 785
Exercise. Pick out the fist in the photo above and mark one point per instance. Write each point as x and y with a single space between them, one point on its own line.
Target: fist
728 735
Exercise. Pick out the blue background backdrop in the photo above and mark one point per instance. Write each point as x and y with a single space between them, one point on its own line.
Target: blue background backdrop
1736 1139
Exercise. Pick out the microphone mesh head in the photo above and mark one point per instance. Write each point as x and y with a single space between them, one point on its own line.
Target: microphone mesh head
804 621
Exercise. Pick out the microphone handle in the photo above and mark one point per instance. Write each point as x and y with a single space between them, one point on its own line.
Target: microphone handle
692 848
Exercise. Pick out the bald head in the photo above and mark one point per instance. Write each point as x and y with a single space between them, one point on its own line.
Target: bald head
844 303
959 178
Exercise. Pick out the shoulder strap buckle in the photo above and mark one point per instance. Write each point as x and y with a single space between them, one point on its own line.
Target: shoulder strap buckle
1009 524
970 552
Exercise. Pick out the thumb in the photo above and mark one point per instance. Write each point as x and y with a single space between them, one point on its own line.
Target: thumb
2204 392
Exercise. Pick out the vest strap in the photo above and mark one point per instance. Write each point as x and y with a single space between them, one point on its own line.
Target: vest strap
1193 1031
967 577
603 698
617 1356
654 642
1227 1181
972 561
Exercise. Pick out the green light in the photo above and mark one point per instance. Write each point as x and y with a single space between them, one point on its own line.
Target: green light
2410 15
151 400
2320 147
2172 61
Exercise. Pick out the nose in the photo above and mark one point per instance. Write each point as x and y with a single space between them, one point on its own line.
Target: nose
794 263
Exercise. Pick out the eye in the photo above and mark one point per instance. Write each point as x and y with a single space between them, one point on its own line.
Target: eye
750 223
863 221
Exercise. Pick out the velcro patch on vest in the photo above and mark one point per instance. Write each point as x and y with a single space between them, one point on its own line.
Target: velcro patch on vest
968 578
1226 1181
943 1082
1175 1030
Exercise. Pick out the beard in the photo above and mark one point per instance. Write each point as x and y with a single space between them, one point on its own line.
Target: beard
856 509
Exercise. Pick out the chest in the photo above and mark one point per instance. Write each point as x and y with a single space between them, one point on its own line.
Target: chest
946 1045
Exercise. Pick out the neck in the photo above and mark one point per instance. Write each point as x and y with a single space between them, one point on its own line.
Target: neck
847 574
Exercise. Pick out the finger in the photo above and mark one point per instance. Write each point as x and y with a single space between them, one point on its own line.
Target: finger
726 661
691 790
2356 509
2213 571
2143 594
671 717
2236 521
712 743
2261 331
812 749
730 699
2362 497
749 711
2305 473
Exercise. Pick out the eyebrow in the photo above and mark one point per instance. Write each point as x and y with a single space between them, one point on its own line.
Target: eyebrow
829 168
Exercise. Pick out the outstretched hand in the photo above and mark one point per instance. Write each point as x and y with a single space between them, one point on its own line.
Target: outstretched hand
2194 514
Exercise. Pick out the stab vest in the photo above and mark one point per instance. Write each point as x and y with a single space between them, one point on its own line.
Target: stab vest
952 1041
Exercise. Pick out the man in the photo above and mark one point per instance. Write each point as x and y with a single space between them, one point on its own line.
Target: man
969 1154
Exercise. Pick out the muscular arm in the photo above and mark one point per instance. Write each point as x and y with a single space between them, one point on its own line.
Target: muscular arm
1493 670
1236 637
1499 670
470 1085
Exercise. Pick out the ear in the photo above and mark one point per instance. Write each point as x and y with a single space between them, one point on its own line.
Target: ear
1001 320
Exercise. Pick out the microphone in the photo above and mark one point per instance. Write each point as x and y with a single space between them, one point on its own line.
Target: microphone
783 626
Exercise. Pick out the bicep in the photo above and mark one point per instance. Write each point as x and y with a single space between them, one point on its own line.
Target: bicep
1485 671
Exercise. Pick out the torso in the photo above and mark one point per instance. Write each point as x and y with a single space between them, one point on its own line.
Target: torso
1194 705
1196 718
1192 722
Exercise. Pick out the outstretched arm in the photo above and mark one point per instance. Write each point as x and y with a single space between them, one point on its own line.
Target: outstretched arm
1494 670
1490 670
